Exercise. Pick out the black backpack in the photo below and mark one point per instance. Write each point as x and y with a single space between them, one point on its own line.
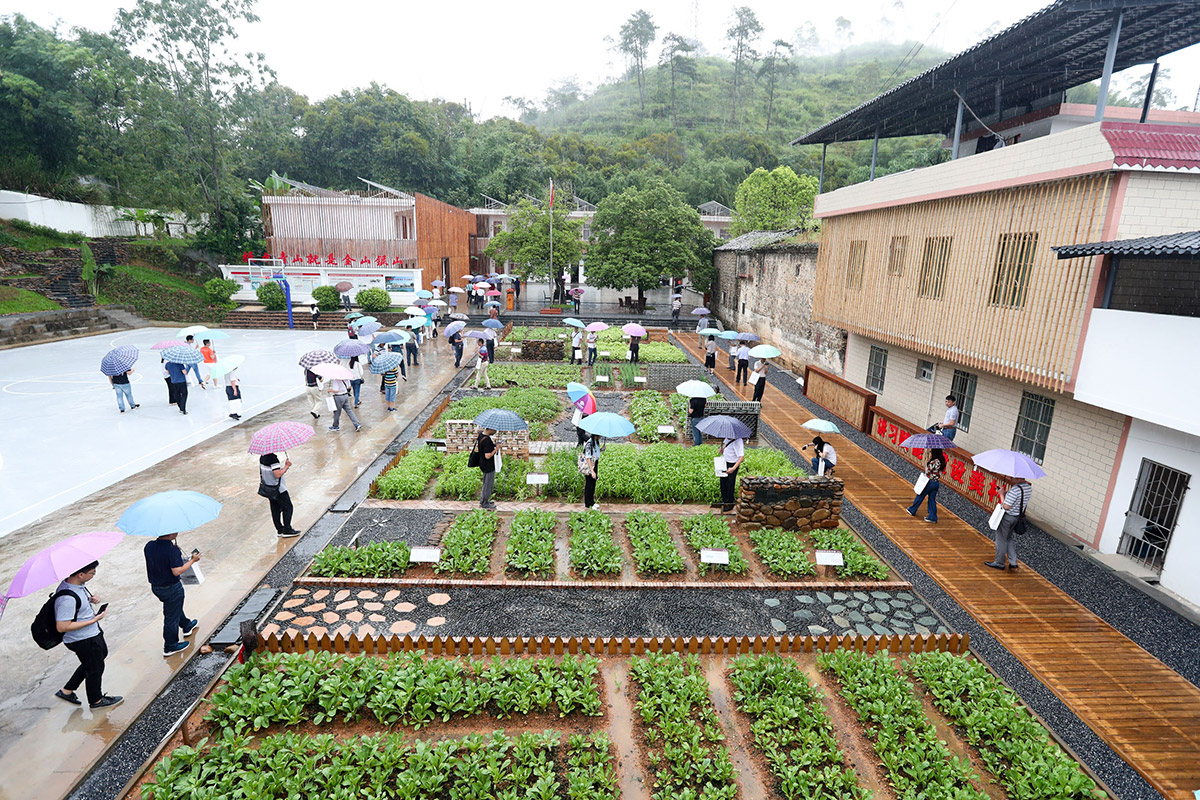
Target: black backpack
45 626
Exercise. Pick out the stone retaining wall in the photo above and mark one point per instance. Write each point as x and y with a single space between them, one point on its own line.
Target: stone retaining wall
743 410
540 350
461 433
665 377
790 503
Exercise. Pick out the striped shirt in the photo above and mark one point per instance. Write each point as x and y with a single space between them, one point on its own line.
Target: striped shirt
389 378
1016 499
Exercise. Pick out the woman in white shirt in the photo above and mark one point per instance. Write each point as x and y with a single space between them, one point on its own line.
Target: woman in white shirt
824 452
357 381
710 355
733 451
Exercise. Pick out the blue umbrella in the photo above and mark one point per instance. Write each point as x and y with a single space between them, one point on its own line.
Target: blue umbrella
439 284
363 321
727 335
455 327
493 323
501 419
368 329
479 335
711 332
747 337
182 355
168 512
607 424
119 360
491 304
391 336
416 322
928 441
349 348
386 362
574 323
577 391
424 293
820 426
723 426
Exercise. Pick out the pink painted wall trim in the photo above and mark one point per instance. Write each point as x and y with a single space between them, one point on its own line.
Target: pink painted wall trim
1112 483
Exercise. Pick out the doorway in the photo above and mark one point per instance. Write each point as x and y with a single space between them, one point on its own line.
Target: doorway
1152 514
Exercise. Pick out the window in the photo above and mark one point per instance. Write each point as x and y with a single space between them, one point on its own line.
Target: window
962 386
896 255
876 369
1014 263
1153 513
585 232
856 264
924 370
933 266
1033 425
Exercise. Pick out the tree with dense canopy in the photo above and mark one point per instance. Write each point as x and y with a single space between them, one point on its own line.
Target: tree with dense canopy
526 242
773 201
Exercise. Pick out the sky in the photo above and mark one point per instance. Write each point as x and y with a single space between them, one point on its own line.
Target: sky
479 52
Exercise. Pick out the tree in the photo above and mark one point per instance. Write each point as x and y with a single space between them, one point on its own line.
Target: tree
844 34
643 234
742 34
677 57
776 66
526 243
773 201
637 34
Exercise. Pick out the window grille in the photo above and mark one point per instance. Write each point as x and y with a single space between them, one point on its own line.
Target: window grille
924 370
856 264
876 368
933 266
896 253
1152 515
962 386
1014 264
1033 425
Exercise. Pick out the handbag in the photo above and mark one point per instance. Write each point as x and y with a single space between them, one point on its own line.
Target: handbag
996 517
719 466
578 354
267 490
499 463
753 379
329 404
474 459
1020 527
581 464
921 483
629 355
235 406
577 417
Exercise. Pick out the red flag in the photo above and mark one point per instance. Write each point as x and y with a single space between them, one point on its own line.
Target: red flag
551 194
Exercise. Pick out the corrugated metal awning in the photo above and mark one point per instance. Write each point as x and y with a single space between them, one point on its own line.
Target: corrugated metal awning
1171 245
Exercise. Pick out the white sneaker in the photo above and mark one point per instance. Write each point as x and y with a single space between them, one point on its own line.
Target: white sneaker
596 507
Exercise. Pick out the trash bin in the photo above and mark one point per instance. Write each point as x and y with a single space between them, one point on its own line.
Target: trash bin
508 299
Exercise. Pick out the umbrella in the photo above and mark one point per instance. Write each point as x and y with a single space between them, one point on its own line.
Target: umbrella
723 426
1009 462
414 310
59 561
765 351
607 424
182 354
577 292
711 332
119 360
165 343
455 327
586 404
457 290
506 278
493 274
928 441
349 348
676 296
479 335
368 329
202 332
314 357
479 277
483 285
493 323
459 316
386 362
363 321
437 302
343 286
493 293
333 371
821 426
747 337
574 323
633 329
352 315
391 336
425 293
596 327
439 284
279 436
695 389
727 335
226 365
491 304
501 419
169 512
700 310
467 278
416 322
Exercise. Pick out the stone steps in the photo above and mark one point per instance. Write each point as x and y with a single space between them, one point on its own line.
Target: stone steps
47 326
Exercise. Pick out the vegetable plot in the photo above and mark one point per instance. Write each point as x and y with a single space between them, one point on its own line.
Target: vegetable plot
460 482
648 410
467 545
407 480
709 530
792 729
783 552
858 559
917 762
547 376
375 560
1012 743
593 549
535 406
531 542
653 549
683 735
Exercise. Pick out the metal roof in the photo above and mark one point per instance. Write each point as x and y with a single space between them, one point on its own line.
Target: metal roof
1171 244
1043 55
1153 147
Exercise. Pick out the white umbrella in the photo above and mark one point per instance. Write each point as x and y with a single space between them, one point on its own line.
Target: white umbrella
226 365
695 389
437 302
457 290
414 310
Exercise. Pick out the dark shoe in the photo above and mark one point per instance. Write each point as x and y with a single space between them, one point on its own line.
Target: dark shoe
183 412
188 630
108 701
179 647
335 430
1014 566
357 428
929 519
70 698
137 405
993 565
290 533
121 410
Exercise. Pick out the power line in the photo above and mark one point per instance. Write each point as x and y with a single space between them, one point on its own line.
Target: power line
917 48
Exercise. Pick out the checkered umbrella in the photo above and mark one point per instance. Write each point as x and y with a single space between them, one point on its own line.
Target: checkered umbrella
119 360
501 419
165 343
350 348
279 436
723 426
182 355
459 316
314 357
386 362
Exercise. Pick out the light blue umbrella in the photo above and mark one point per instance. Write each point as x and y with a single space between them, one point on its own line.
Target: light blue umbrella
821 426
368 329
416 322
1009 462
711 332
226 365
391 336
493 323
727 335
574 323
765 351
181 354
351 347
723 426
607 424
386 362
424 293
168 512
455 327
437 283
358 323
491 304
119 360
501 419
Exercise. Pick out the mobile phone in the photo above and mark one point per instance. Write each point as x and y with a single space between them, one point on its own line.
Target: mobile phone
195 552
102 608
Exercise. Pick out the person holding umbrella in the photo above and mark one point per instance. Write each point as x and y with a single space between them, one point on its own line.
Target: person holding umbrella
590 460
825 458
79 625
164 564
455 340
592 339
486 448
124 390
356 381
577 346
733 451
270 472
177 377
935 467
635 343
481 365
312 388
676 307
759 379
743 364
233 394
338 386
710 355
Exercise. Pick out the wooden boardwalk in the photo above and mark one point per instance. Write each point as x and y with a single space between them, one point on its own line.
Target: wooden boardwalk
1145 711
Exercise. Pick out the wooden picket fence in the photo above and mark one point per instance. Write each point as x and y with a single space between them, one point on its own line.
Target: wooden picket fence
294 642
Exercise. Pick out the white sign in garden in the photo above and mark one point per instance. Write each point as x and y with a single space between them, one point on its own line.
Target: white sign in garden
666 428
515 351
601 379
639 379
714 555
829 558
605 353
426 555
534 478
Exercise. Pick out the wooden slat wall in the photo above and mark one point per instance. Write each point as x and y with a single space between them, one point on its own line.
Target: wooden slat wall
1035 343
841 397
443 231
361 227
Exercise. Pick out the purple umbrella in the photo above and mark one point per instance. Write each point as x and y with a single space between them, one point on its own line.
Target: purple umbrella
928 441
58 561
437 283
479 335
700 310
1010 463
311 359
279 436
633 329
349 348
368 329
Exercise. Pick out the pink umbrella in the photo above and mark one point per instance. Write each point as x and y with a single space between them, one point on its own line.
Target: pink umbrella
343 286
633 329
334 371
279 436
493 293
58 561
163 345
596 327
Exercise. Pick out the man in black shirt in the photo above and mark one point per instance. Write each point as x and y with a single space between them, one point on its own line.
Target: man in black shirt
487 465
120 384
455 340
164 564
695 414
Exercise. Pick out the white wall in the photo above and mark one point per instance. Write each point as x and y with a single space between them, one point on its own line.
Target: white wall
1178 451
91 221
1132 364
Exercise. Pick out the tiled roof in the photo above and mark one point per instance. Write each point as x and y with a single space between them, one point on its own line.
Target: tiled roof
757 240
1157 147
1171 244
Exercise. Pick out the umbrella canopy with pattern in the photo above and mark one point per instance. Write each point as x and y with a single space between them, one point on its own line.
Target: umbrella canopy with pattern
350 348
928 441
279 436
119 360
182 354
392 336
457 315
369 329
165 343
386 362
501 419
723 426
314 357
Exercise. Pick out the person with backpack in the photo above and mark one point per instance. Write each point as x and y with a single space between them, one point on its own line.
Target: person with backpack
1015 501
79 626
589 465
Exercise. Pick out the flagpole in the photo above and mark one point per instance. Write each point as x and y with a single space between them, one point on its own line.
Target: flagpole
553 275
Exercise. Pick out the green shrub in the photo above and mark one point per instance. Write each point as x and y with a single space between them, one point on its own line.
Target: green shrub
157 301
219 290
41 237
159 253
327 298
270 294
373 300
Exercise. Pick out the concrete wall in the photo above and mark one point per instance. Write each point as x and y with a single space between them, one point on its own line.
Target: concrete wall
1080 454
775 302
91 221
1159 202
